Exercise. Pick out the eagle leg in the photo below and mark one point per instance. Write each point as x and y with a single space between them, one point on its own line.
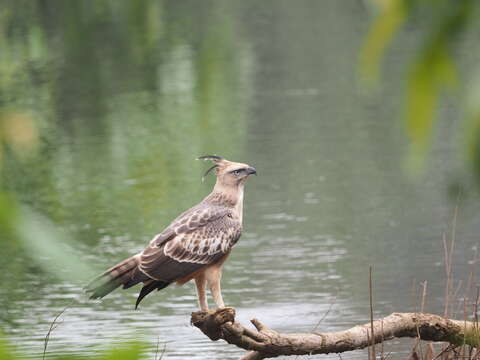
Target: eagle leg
201 282
213 275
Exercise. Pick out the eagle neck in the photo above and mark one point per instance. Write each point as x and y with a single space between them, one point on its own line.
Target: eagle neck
228 196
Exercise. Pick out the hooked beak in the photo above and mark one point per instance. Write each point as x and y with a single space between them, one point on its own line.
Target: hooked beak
251 171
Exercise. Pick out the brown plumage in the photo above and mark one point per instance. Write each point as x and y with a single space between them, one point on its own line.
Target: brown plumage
193 246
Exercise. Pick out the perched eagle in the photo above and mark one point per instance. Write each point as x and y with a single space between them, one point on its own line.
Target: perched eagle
193 246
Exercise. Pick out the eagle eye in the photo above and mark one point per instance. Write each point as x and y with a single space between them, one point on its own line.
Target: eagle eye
237 172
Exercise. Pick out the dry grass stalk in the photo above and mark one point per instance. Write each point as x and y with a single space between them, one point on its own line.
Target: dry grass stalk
53 325
370 288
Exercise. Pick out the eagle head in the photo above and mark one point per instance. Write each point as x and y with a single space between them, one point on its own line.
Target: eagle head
229 173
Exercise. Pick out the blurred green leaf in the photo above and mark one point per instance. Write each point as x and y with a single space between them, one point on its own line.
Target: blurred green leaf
392 14
8 212
433 72
472 128
5 352
474 147
53 252
129 350
125 351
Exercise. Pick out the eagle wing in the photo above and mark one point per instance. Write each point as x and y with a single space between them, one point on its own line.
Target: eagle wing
197 238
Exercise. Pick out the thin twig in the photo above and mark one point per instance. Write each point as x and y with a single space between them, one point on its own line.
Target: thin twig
448 275
477 355
448 348
156 350
370 287
382 356
368 347
424 296
475 308
330 307
465 324
163 351
417 342
332 303
422 309
415 308
53 326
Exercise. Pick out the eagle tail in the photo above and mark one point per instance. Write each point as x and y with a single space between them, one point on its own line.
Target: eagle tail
125 273
148 288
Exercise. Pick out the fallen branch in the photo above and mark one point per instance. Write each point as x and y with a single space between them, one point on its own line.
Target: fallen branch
267 343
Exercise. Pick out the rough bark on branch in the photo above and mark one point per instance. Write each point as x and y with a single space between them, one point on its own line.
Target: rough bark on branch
267 343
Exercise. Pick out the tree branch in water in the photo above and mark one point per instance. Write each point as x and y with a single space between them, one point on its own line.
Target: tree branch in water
267 343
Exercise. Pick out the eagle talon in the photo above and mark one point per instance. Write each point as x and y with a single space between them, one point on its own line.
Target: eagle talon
225 308
223 315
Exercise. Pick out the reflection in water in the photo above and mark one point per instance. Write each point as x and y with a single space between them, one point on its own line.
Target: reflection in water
127 94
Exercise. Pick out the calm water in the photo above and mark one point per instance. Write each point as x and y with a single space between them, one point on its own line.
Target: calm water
127 94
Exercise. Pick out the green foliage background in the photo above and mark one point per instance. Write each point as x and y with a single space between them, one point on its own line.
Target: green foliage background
435 69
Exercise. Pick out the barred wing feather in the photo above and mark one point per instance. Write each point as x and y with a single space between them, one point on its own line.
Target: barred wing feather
195 239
